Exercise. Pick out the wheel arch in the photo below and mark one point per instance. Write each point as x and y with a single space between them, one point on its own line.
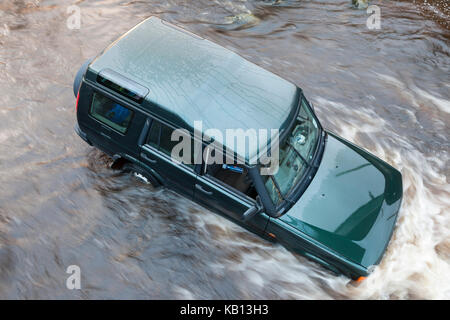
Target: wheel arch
120 161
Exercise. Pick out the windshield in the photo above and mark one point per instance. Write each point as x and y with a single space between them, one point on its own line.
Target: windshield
296 153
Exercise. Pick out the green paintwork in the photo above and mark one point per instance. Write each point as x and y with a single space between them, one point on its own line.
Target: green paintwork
351 205
191 79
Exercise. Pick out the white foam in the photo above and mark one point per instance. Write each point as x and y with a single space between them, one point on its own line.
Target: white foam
442 104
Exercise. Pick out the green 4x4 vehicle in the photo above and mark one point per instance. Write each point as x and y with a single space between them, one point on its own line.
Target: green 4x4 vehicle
328 199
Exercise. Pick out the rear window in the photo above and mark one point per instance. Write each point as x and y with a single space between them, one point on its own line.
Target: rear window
111 113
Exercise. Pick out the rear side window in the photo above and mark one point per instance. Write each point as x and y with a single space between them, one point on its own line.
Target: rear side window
111 113
165 143
159 137
153 135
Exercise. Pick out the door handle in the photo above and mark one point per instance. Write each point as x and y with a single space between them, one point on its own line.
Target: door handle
105 135
200 188
104 128
144 156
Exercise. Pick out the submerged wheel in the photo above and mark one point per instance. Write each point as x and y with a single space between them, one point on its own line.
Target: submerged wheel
140 174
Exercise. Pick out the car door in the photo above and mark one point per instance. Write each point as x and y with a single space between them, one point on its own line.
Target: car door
155 154
219 197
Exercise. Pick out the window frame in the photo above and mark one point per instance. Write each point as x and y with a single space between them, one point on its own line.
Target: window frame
111 97
146 140
195 167
222 184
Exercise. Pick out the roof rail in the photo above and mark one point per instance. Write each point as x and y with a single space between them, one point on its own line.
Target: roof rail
174 26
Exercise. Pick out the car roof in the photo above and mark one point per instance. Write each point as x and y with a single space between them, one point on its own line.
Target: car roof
190 79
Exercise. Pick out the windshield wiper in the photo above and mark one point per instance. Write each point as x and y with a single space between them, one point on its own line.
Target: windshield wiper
277 186
300 156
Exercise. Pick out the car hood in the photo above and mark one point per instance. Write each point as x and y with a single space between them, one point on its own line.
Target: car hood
351 204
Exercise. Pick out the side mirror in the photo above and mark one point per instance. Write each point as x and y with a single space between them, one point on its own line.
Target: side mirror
253 210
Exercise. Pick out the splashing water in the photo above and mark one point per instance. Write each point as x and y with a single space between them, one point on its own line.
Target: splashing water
60 204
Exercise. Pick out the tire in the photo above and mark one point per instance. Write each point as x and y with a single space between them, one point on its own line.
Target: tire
140 174
79 76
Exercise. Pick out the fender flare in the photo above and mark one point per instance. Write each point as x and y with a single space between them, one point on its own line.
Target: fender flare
119 161
79 76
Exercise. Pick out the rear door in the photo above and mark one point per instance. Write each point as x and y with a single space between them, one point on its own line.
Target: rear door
155 154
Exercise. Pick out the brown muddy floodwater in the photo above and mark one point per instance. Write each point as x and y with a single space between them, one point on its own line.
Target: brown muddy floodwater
387 90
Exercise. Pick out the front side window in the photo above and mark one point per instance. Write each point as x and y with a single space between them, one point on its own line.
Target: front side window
233 175
296 154
111 113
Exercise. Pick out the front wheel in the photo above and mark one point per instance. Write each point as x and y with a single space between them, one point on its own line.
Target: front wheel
140 174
